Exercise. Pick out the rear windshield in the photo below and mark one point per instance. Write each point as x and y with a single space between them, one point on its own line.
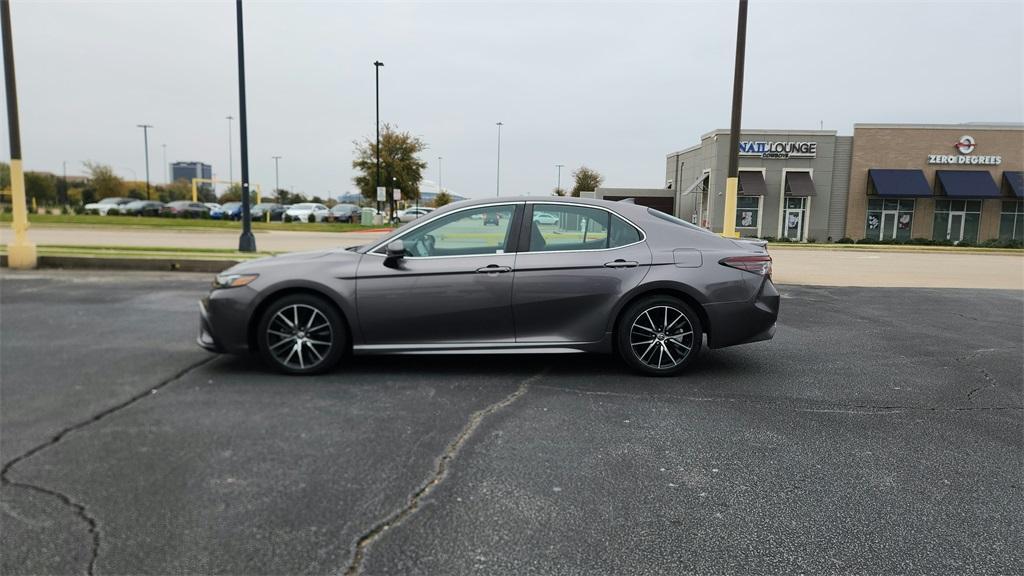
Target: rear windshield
678 221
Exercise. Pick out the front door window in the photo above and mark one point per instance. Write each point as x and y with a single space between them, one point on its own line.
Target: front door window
957 220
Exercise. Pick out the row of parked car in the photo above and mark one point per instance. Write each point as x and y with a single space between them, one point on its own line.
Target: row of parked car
302 212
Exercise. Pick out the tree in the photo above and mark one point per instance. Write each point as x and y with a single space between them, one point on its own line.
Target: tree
5 176
399 166
103 183
232 194
42 187
558 192
585 180
442 199
180 189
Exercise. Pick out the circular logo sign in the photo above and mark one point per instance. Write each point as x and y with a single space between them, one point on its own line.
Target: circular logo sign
965 145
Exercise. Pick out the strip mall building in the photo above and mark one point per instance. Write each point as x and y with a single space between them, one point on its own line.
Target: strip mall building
959 182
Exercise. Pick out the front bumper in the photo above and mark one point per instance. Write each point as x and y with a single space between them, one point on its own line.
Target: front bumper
735 323
205 339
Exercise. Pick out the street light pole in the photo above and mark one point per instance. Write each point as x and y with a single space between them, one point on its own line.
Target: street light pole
497 191
145 141
277 175
21 253
376 79
164 146
732 182
559 185
246 242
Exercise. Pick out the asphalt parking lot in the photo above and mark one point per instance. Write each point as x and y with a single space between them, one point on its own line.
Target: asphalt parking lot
880 431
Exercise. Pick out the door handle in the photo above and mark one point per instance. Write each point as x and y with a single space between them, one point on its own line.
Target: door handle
620 263
493 269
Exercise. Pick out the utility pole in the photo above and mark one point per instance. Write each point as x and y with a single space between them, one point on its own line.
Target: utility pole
497 191
376 73
246 242
277 175
21 253
559 185
732 182
164 146
439 188
145 141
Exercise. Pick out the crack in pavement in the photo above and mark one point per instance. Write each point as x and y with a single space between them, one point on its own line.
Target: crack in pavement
80 509
451 451
806 407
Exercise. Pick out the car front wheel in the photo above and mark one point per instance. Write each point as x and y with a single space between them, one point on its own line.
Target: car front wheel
659 336
301 334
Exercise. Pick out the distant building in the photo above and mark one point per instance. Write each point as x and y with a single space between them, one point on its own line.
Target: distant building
189 170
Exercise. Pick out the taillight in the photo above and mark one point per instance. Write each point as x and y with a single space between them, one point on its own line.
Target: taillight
760 264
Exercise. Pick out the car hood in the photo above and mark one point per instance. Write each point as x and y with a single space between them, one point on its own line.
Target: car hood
289 258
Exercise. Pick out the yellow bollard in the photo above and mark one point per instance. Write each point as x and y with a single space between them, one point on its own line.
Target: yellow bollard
21 253
729 223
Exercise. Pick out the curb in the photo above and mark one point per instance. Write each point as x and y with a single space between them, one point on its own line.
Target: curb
152 264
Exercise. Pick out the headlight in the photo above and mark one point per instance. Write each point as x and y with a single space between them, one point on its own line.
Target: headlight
233 280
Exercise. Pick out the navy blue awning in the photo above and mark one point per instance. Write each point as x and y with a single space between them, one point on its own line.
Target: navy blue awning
898 183
1014 183
966 184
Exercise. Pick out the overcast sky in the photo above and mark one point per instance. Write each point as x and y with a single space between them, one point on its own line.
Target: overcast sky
614 86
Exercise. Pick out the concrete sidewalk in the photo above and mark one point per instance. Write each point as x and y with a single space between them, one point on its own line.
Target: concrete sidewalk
266 240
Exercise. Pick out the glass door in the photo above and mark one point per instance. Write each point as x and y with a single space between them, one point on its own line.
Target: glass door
793 219
888 225
955 231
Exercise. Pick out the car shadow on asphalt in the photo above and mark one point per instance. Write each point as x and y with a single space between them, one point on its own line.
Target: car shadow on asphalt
587 370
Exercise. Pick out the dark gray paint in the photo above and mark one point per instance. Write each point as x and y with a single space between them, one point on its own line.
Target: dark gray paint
558 300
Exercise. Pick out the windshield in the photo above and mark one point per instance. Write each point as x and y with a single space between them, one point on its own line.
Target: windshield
678 221
303 206
231 205
110 201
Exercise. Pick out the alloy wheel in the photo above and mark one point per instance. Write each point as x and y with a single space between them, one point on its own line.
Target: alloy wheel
661 337
299 336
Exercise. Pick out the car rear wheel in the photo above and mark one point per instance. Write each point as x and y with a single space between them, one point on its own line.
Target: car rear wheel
659 335
301 334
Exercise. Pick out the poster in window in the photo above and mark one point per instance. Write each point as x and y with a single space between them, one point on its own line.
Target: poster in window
873 222
793 221
904 221
746 219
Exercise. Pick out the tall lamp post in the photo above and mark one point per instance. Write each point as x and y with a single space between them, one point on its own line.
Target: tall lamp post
732 182
558 186
246 242
439 188
497 191
21 253
164 146
277 175
376 78
145 142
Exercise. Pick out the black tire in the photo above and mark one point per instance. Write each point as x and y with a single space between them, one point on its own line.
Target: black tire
273 335
645 345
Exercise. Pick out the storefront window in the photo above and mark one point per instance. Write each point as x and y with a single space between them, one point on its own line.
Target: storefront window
748 211
889 219
957 220
1011 221
794 218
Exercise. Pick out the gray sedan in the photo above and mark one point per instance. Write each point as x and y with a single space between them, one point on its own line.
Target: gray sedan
609 277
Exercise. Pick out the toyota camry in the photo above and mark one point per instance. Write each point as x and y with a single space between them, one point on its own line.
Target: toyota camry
604 277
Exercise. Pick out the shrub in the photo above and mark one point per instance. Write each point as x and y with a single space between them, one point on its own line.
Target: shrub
845 240
812 240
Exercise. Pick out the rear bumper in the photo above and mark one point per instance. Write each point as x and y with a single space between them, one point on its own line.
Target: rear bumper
735 323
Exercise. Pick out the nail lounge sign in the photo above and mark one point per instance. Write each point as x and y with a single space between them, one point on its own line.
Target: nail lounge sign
779 150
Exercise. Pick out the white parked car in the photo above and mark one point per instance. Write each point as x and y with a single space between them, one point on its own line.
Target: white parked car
545 218
107 205
411 214
307 212
213 206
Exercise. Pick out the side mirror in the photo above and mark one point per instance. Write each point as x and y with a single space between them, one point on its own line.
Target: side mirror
395 250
